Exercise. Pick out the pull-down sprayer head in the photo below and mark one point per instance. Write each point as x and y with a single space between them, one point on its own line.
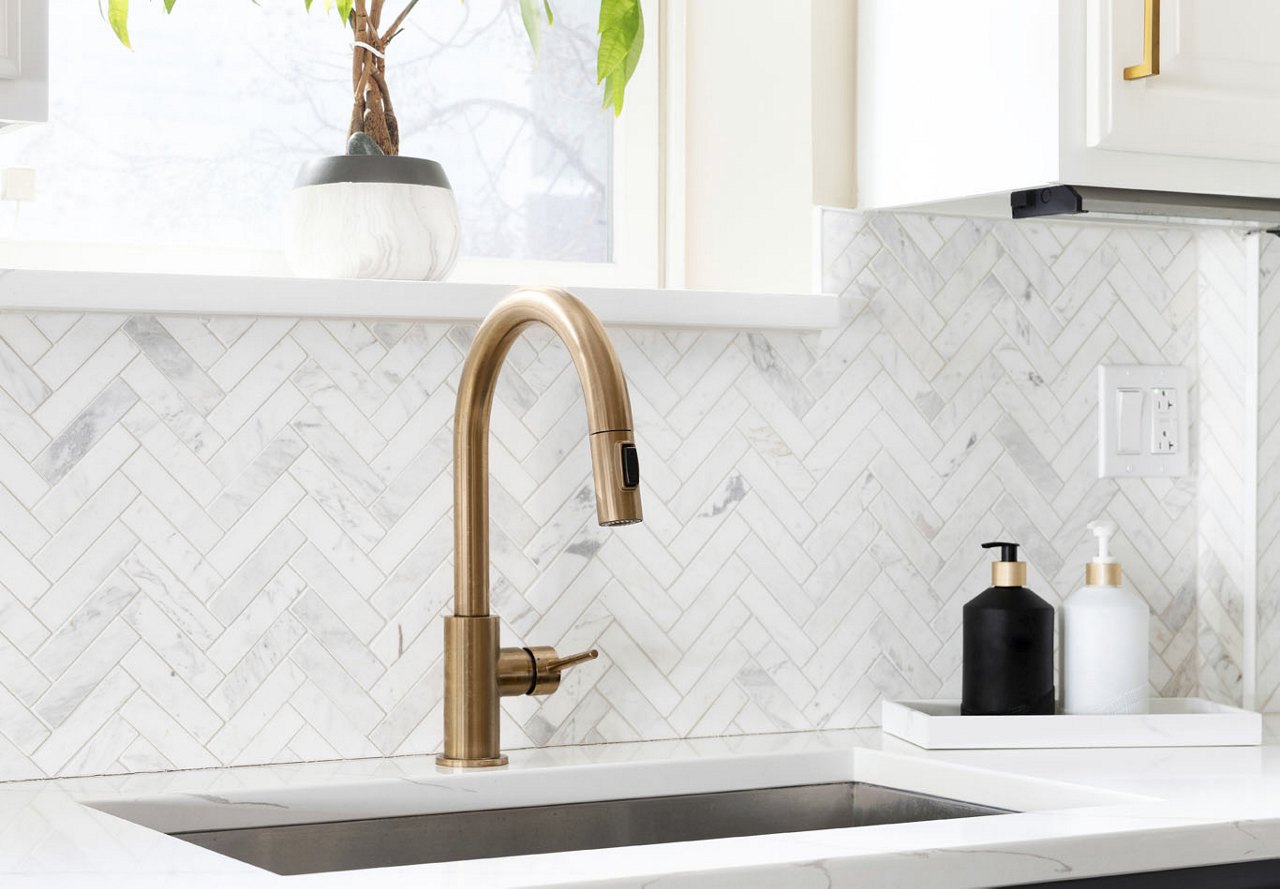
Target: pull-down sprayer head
616 467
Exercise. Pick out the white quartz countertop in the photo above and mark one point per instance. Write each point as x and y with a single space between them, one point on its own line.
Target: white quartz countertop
1081 813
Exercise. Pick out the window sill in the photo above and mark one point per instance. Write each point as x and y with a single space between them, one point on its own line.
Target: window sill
50 291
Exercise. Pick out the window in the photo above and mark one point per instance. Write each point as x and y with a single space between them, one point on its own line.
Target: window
187 147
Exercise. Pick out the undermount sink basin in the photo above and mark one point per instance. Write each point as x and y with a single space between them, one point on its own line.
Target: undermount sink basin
491 833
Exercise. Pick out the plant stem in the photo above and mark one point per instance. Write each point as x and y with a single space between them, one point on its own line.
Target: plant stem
399 20
358 20
371 111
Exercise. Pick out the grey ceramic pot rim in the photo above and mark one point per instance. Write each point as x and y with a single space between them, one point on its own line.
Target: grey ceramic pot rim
371 168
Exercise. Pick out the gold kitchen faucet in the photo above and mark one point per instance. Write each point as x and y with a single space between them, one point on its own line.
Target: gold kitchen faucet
477 671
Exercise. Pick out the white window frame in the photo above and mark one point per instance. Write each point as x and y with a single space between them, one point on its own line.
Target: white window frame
635 225
635 230
24 61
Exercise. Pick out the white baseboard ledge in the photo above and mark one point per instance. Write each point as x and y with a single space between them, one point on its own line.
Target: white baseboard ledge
136 293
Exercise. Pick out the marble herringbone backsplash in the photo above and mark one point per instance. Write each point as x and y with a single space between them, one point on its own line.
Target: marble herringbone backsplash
1268 456
228 540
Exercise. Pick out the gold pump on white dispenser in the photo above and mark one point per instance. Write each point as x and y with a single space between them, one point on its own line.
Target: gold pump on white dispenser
1103 570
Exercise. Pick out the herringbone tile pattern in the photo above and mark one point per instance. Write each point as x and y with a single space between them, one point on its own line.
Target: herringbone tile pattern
228 540
1268 530
1224 527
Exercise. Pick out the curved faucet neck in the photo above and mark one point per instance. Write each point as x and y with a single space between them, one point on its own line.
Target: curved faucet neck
608 411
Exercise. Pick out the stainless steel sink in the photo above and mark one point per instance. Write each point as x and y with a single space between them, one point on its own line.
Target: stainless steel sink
494 833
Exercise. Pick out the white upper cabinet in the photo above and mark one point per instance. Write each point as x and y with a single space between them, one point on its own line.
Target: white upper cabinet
959 100
1217 93
24 61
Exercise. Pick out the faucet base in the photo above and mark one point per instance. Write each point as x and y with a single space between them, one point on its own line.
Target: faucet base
450 762
471 693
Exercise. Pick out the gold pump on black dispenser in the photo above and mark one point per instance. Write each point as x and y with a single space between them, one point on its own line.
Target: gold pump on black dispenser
1008 645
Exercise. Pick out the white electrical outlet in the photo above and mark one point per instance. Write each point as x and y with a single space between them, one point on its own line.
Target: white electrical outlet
18 184
1142 421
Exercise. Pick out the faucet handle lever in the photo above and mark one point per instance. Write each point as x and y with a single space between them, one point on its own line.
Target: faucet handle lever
561 663
535 670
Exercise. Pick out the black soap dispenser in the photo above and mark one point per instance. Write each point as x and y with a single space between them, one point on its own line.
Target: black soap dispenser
1008 645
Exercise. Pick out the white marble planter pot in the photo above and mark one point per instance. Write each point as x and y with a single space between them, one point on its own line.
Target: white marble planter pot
372 216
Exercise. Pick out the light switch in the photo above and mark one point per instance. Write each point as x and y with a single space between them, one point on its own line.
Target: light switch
1142 421
1129 421
18 184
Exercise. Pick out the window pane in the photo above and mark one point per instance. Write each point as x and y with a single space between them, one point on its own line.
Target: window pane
195 137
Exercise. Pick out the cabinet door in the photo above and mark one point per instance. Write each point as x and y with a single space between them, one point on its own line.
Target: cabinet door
24 60
1218 91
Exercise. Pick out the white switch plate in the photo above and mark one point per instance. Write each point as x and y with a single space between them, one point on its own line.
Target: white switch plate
18 184
1142 421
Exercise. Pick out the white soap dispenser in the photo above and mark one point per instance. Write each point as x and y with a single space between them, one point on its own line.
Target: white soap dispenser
1105 639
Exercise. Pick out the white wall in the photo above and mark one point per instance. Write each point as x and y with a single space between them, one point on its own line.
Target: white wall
769 132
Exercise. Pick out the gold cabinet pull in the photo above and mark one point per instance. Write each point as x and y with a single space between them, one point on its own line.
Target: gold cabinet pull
1150 65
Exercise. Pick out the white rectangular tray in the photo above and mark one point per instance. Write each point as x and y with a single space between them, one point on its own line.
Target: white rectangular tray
1172 722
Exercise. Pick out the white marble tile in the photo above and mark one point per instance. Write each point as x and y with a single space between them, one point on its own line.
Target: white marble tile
65 353
813 502
263 660
78 393
169 628
82 676
95 566
323 577
194 335
251 347
84 722
249 530
172 500
23 337
343 367
172 407
98 512
174 362
169 738
84 431
253 574
172 453
256 387
245 489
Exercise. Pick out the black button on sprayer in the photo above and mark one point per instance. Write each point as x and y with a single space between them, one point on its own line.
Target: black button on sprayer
630 465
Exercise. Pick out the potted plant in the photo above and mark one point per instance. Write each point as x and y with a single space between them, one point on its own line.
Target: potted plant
372 212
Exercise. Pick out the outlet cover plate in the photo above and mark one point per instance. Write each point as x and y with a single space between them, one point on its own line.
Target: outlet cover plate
1142 421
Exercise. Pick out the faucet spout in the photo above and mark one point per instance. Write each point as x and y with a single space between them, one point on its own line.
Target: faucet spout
608 426
476 670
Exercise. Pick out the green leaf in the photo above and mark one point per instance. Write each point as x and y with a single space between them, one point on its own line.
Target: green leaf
118 18
308 4
619 21
632 62
531 12
551 19
621 42
168 5
344 9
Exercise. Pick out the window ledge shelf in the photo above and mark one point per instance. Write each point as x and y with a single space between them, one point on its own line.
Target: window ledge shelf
55 291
